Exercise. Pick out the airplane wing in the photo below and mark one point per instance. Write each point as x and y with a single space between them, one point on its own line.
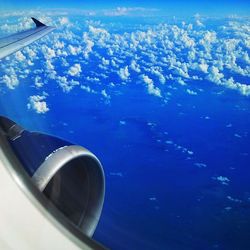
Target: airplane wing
15 42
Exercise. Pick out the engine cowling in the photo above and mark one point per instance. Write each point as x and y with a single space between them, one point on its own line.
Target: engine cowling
70 176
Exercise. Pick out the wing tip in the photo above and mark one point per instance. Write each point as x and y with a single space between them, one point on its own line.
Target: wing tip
38 23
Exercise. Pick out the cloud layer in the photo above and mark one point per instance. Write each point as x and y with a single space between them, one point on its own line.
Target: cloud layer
98 56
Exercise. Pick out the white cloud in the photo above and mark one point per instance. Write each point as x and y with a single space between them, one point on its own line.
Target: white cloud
150 86
129 11
38 82
164 52
11 81
156 71
48 52
214 75
49 65
208 38
105 61
222 179
20 56
66 85
200 165
104 93
182 70
74 50
64 21
10 78
199 23
124 73
75 70
97 31
203 67
180 81
135 66
59 44
89 44
31 53
191 92
38 104
93 79
234 199
244 89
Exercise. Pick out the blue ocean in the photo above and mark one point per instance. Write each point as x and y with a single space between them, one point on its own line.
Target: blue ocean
164 104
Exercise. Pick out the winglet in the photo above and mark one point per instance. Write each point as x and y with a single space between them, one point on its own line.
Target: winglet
38 23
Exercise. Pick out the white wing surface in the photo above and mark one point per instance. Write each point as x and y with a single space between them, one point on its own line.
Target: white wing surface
15 42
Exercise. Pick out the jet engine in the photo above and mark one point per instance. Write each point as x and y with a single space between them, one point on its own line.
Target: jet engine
70 176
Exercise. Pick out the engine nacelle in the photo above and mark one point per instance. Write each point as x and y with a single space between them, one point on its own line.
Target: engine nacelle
70 176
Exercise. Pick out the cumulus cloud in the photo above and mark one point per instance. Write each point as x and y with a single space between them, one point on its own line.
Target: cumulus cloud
11 81
74 50
160 55
214 75
234 199
182 71
59 44
244 89
31 53
75 70
199 23
150 86
98 31
157 71
65 84
135 66
209 37
104 93
202 67
191 92
49 65
105 61
38 103
129 11
222 179
88 89
38 82
20 56
89 44
124 73
48 53
64 21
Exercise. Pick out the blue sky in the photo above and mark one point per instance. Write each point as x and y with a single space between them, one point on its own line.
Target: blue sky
166 7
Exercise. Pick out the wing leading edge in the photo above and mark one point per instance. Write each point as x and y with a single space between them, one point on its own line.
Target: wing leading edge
15 42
